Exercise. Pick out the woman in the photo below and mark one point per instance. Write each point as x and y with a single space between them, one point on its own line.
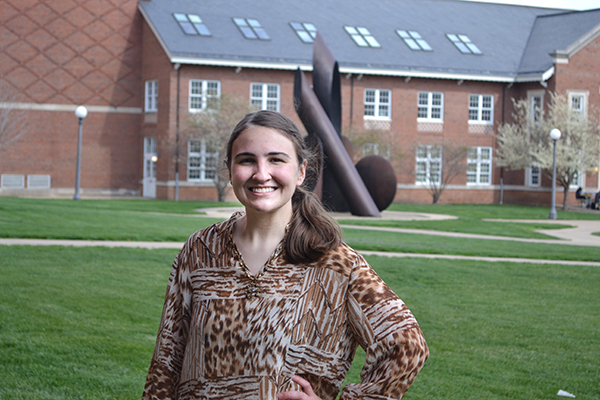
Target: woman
270 304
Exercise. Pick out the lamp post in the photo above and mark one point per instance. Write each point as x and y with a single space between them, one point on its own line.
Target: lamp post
81 113
554 135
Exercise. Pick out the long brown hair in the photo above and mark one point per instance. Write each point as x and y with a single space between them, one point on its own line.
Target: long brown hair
312 231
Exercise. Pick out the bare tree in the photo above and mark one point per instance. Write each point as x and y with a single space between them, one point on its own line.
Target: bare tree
527 142
213 126
13 120
437 166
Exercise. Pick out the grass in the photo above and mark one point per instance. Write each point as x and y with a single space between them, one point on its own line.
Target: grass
80 323
428 244
138 220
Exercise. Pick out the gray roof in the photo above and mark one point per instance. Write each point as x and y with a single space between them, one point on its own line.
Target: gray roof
515 40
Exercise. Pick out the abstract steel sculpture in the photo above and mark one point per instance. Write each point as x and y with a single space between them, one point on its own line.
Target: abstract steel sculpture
335 178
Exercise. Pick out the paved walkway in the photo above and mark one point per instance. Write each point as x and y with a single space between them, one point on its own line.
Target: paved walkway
578 233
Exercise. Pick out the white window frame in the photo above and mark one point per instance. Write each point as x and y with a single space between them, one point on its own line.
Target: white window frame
479 166
202 170
198 100
532 95
533 176
431 164
379 104
480 109
430 106
264 100
151 96
38 181
582 95
12 181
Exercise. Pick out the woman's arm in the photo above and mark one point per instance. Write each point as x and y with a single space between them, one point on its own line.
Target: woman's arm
165 366
389 333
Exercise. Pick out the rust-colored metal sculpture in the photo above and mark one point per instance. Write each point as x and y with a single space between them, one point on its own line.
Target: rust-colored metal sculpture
315 120
334 177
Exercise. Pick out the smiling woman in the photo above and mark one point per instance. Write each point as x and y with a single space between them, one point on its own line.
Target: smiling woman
270 304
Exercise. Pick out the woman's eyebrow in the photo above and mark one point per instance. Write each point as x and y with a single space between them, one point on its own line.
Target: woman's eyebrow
278 153
245 154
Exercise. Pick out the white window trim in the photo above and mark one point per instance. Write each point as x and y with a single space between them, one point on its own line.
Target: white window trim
480 109
430 107
378 103
479 162
584 94
151 96
428 160
204 156
263 98
530 95
12 181
529 174
203 96
38 181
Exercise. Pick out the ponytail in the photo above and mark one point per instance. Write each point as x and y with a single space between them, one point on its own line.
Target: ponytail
313 232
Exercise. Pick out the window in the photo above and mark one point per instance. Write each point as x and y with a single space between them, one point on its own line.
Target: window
307 32
376 149
251 28
9 181
578 102
431 106
151 97
265 96
429 164
202 164
362 37
479 166
533 176
463 44
413 40
481 108
378 104
191 24
204 94
38 181
535 99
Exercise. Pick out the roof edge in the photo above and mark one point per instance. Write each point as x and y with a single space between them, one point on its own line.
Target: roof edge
578 44
343 69
154 31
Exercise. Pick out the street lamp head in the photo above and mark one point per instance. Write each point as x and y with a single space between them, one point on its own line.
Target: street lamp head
81 112
555 134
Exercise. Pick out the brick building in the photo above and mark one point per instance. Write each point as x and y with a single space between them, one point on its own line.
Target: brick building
416 72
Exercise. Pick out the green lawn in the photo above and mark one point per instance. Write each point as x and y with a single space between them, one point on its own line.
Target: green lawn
80 323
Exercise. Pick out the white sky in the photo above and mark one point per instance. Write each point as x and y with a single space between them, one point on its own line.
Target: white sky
571 4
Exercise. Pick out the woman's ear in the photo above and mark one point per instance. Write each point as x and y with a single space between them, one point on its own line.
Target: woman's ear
302 175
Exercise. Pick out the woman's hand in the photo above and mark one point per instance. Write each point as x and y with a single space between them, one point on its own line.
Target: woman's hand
308 393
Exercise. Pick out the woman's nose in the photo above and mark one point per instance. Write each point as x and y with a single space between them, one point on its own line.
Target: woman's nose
261 173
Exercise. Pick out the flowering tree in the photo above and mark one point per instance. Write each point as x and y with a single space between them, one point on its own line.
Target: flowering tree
527 142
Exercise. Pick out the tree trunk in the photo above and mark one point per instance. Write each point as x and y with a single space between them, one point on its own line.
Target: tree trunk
565 197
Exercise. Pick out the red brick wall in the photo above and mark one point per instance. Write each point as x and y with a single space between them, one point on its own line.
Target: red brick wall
65 53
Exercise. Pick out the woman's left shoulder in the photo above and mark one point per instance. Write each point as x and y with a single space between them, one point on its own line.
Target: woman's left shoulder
342 259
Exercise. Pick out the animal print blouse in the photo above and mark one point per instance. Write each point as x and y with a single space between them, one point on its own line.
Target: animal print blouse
226 334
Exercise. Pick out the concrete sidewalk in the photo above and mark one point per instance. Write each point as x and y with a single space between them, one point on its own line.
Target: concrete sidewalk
578 233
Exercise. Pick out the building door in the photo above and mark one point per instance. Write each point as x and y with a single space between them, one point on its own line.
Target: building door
150 158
